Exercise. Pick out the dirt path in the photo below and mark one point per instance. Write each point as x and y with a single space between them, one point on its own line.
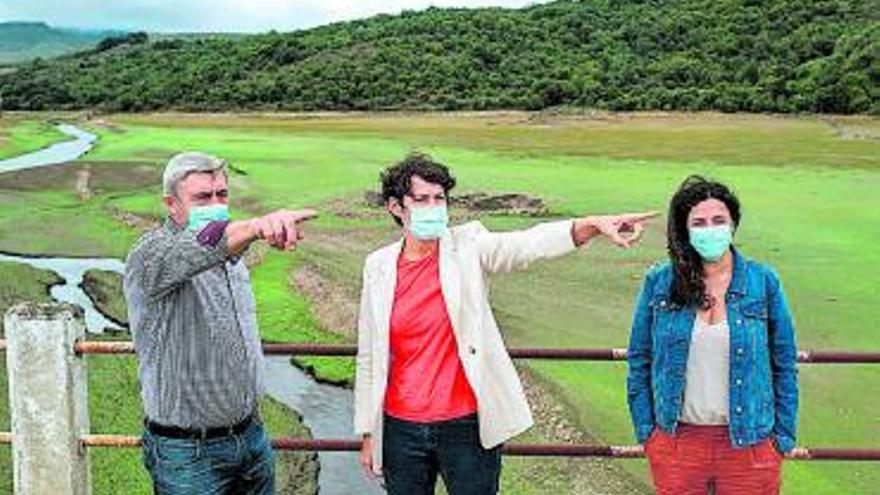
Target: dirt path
587 476
846 130
83 178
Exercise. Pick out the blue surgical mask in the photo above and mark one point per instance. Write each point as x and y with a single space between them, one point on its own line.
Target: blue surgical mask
428 222
200 216
711 242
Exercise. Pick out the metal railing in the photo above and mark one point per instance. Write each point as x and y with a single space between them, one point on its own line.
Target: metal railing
85 347
48 386
516 449
616 354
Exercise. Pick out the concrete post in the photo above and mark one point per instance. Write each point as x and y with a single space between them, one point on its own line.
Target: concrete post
48 399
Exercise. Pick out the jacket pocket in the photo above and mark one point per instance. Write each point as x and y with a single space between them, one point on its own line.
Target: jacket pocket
177 454
765 455
755 310
660 446
755 316
663 318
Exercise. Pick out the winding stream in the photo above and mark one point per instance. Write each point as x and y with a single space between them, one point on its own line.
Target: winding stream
72 271
65 151
326 410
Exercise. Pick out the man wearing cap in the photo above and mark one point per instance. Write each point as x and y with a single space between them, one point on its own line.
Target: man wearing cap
193 319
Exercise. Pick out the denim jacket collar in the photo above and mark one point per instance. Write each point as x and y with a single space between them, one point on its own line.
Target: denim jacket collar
740 279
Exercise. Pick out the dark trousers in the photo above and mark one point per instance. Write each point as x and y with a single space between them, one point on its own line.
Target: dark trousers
415 453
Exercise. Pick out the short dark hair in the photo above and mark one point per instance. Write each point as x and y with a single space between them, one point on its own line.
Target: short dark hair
397 179
688 287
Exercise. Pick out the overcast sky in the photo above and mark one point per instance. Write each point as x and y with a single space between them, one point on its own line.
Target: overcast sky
216 15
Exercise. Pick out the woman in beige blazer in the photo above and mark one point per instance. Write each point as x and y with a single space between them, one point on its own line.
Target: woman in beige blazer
436 391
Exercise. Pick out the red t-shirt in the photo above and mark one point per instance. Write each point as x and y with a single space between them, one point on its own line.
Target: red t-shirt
426 381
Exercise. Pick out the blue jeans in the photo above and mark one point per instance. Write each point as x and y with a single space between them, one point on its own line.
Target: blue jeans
231 465
414 453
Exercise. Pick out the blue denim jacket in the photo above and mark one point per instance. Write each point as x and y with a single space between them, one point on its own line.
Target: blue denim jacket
763 357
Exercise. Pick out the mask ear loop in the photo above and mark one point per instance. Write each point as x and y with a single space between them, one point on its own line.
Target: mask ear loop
177 208
402 208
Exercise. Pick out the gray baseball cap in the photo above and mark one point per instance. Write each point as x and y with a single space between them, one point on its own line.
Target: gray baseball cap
183 164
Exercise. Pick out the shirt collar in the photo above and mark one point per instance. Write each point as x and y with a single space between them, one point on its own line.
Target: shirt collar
171 226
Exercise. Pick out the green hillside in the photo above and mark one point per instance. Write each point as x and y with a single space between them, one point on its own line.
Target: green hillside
728 55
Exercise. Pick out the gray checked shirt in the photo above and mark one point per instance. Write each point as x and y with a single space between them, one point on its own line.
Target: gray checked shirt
193 319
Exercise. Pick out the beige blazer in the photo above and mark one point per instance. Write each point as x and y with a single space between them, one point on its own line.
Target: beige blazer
468 255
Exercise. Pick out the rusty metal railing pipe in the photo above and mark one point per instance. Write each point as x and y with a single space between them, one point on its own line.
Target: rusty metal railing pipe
837 357
515 449
103 347
304 444
618 354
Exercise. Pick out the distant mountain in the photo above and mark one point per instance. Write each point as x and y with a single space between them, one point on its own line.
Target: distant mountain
728 55
20 41
25 41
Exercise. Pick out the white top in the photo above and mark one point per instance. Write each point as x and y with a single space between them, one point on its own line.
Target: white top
707 383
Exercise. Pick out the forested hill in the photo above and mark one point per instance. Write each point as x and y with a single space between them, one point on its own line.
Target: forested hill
729 55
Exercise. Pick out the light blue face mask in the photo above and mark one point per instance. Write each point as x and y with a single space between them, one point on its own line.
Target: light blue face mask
200 216
428 222
711 242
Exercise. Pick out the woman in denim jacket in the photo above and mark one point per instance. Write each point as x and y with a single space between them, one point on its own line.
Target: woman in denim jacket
712 385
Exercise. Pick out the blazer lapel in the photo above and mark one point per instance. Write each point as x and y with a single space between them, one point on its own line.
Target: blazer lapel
385 300
450 281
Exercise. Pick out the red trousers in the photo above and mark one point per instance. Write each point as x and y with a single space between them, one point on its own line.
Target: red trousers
699 460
